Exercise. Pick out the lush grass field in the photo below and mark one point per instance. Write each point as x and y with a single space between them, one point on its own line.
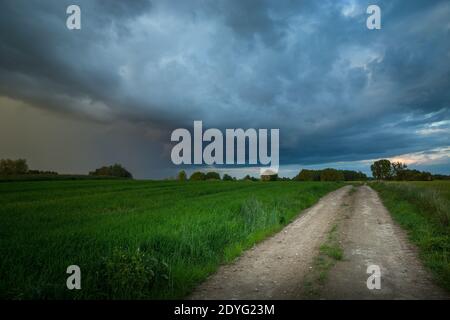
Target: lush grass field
53 177
135 239
423 209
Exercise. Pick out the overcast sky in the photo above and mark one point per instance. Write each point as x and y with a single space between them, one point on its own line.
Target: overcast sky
341 95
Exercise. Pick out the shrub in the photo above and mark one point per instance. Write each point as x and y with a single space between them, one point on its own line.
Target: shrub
316 175
350 175
182 176
227 177
249 178
197 176
13 167
115 170
212 176
129 274
331 175
308 175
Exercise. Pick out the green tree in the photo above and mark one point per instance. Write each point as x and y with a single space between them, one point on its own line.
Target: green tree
13 167
227 177
182 176
381 169
331 175
115 170
399 170
350 175
212 176
249 178
308 175
196 176
415 175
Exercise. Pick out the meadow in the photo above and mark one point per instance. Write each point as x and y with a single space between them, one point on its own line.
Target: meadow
135 239
423 209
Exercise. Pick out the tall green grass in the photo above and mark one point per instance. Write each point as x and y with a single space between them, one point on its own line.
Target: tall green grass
423 209
135 239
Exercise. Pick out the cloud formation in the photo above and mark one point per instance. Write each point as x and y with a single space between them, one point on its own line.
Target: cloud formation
337 91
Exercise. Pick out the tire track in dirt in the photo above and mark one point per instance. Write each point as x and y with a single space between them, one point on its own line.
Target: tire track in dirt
275 268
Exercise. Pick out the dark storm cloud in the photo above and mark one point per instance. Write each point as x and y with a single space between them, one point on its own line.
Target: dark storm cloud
337 91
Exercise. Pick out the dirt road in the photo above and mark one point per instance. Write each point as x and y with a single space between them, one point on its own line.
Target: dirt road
276 268
370 237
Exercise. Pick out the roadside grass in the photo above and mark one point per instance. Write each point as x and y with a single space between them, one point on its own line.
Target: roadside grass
423 209
329 253
135 239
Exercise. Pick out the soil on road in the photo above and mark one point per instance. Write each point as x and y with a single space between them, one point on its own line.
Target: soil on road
277 267
274 268
370 237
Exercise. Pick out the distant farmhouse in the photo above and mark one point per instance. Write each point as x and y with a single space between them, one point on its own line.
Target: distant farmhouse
269 175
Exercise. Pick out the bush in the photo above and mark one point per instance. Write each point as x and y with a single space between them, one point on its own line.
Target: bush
308 175
331 175
227 177
115 170
316 175
38 172
212 176
350 175
197 176
13 167
414 175
182 176
129 274
249 178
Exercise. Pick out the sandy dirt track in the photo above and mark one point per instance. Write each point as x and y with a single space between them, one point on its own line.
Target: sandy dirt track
276 267
370 237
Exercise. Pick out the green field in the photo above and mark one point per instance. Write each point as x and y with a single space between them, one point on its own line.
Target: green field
135 239
441 186
423 209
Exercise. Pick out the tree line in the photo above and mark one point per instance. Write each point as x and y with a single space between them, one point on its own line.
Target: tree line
200 176
386 170
18 167
381 170
330 174
304 175
115 170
